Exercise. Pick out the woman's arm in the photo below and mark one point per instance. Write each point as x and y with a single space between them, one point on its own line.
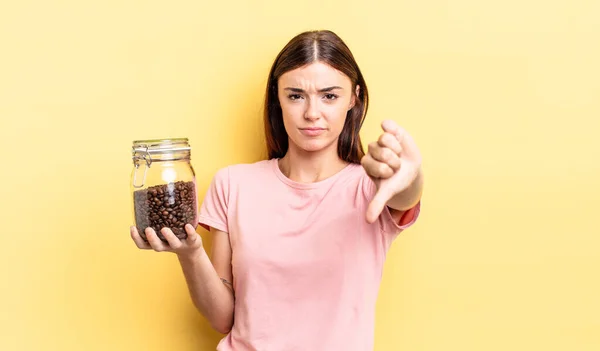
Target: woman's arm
209 283
406 200
206 280
409 197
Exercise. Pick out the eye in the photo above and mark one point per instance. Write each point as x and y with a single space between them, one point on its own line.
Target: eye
294 97
331 96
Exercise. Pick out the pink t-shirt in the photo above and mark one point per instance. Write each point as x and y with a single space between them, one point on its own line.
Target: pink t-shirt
306 264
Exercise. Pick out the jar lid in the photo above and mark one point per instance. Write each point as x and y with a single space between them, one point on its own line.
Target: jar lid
162 149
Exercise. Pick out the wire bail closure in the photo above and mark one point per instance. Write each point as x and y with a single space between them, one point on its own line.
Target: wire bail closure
144 155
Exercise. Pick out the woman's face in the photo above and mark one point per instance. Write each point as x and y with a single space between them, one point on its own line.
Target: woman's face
314 101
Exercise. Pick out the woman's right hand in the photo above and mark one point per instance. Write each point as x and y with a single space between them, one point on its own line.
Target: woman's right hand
181 247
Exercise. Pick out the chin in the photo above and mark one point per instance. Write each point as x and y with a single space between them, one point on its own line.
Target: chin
314 145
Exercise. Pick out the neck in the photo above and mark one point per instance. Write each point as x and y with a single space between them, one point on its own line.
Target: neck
309 167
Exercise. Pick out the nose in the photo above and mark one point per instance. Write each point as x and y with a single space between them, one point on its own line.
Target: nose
312 110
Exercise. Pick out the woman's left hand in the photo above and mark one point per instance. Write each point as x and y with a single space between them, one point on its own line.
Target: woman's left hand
394 163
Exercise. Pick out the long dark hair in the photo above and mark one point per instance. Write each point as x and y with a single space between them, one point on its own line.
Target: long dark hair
305 48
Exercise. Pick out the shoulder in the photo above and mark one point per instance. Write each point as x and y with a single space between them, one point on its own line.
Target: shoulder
241 172
358 176
254 167
227 181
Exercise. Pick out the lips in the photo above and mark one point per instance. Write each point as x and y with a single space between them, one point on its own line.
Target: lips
312 131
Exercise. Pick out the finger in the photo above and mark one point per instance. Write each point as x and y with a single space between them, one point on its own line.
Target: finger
139 242
172 239
154 240
375 168
193 239
377 205
409 147
393 128
389 140
384 155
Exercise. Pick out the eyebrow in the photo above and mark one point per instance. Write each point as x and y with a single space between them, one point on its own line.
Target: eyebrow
324 90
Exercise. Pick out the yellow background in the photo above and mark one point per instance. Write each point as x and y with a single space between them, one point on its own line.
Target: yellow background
502 97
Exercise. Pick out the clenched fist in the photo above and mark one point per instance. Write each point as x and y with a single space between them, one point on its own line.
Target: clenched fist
394 163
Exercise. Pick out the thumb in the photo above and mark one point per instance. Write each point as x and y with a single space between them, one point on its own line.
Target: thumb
389 126
377 205
192 236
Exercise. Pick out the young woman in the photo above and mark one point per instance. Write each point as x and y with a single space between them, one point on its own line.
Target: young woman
300 239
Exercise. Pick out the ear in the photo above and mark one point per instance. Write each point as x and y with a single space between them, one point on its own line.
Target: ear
354 97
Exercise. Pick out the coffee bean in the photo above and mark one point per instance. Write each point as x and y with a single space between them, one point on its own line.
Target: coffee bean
170 205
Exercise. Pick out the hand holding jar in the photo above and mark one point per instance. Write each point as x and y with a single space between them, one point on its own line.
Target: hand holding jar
190 245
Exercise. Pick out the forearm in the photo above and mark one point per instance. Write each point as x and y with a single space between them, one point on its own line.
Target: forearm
210 296
409 197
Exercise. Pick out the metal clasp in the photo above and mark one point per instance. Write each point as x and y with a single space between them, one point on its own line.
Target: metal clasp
145 155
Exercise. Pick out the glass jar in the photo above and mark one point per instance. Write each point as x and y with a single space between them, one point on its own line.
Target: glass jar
163 186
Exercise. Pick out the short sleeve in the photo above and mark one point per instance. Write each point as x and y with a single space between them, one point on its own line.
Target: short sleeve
213 211
387 223
409 218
